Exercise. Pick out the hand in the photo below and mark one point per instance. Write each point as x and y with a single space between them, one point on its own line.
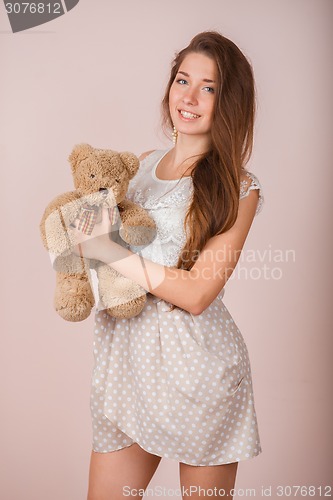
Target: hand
91 245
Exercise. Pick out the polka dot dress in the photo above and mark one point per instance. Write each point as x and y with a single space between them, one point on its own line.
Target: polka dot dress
177 384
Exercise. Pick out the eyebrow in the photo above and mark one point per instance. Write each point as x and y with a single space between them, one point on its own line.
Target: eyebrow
204 79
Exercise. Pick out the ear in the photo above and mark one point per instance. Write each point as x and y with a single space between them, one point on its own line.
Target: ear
79 153
131 163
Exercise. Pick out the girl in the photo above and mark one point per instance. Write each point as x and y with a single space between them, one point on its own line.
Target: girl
176 381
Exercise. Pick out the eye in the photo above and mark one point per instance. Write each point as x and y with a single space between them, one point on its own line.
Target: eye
181 80
210 90
117 180
92 176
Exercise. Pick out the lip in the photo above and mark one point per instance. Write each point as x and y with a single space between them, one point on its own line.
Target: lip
187 111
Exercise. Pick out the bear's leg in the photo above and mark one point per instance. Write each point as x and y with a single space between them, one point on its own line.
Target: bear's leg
120 296
74 298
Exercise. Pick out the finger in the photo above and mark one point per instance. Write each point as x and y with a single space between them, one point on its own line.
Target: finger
74 233
75 223
105 213
105 223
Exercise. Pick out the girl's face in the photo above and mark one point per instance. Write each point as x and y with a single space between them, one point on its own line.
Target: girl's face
192 95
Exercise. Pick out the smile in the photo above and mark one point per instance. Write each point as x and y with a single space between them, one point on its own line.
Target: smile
188 115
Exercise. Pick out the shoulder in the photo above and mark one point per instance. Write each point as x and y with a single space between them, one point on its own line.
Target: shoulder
147 153
250 182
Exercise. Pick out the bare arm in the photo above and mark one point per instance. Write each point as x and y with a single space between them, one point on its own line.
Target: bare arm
192 290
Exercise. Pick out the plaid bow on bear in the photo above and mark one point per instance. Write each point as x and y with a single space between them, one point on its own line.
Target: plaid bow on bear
91 215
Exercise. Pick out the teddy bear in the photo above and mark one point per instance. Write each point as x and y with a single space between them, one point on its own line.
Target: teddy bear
101 178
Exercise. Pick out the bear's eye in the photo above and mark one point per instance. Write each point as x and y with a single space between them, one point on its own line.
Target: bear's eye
117 180
92 176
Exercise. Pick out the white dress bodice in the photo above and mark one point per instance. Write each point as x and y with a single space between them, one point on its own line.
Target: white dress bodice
167 201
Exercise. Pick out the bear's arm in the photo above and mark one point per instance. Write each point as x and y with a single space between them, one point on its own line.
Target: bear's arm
137 227
59 213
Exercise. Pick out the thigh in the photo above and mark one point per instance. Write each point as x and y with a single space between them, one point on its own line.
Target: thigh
114 473
212 478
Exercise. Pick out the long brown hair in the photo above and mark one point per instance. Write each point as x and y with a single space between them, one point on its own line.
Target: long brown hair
216 175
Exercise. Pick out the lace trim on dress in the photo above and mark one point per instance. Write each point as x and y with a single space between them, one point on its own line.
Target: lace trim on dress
245 189
167 202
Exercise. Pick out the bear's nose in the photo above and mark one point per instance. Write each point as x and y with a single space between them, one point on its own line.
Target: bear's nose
105 190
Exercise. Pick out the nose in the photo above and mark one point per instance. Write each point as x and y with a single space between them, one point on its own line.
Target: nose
190 97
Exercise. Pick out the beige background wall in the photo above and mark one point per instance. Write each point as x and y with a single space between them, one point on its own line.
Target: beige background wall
97 75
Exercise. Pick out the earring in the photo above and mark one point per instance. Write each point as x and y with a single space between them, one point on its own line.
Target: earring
174 135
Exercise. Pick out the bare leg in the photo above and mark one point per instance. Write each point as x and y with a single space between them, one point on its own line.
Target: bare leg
220 477
110 473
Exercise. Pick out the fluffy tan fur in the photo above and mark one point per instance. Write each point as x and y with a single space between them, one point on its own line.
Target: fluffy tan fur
101 177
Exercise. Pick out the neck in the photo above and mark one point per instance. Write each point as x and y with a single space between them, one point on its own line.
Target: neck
187 150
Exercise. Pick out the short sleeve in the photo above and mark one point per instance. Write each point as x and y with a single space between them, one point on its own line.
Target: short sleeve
247 184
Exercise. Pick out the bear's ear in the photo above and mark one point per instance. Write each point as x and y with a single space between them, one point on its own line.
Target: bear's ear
131 163
79 153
